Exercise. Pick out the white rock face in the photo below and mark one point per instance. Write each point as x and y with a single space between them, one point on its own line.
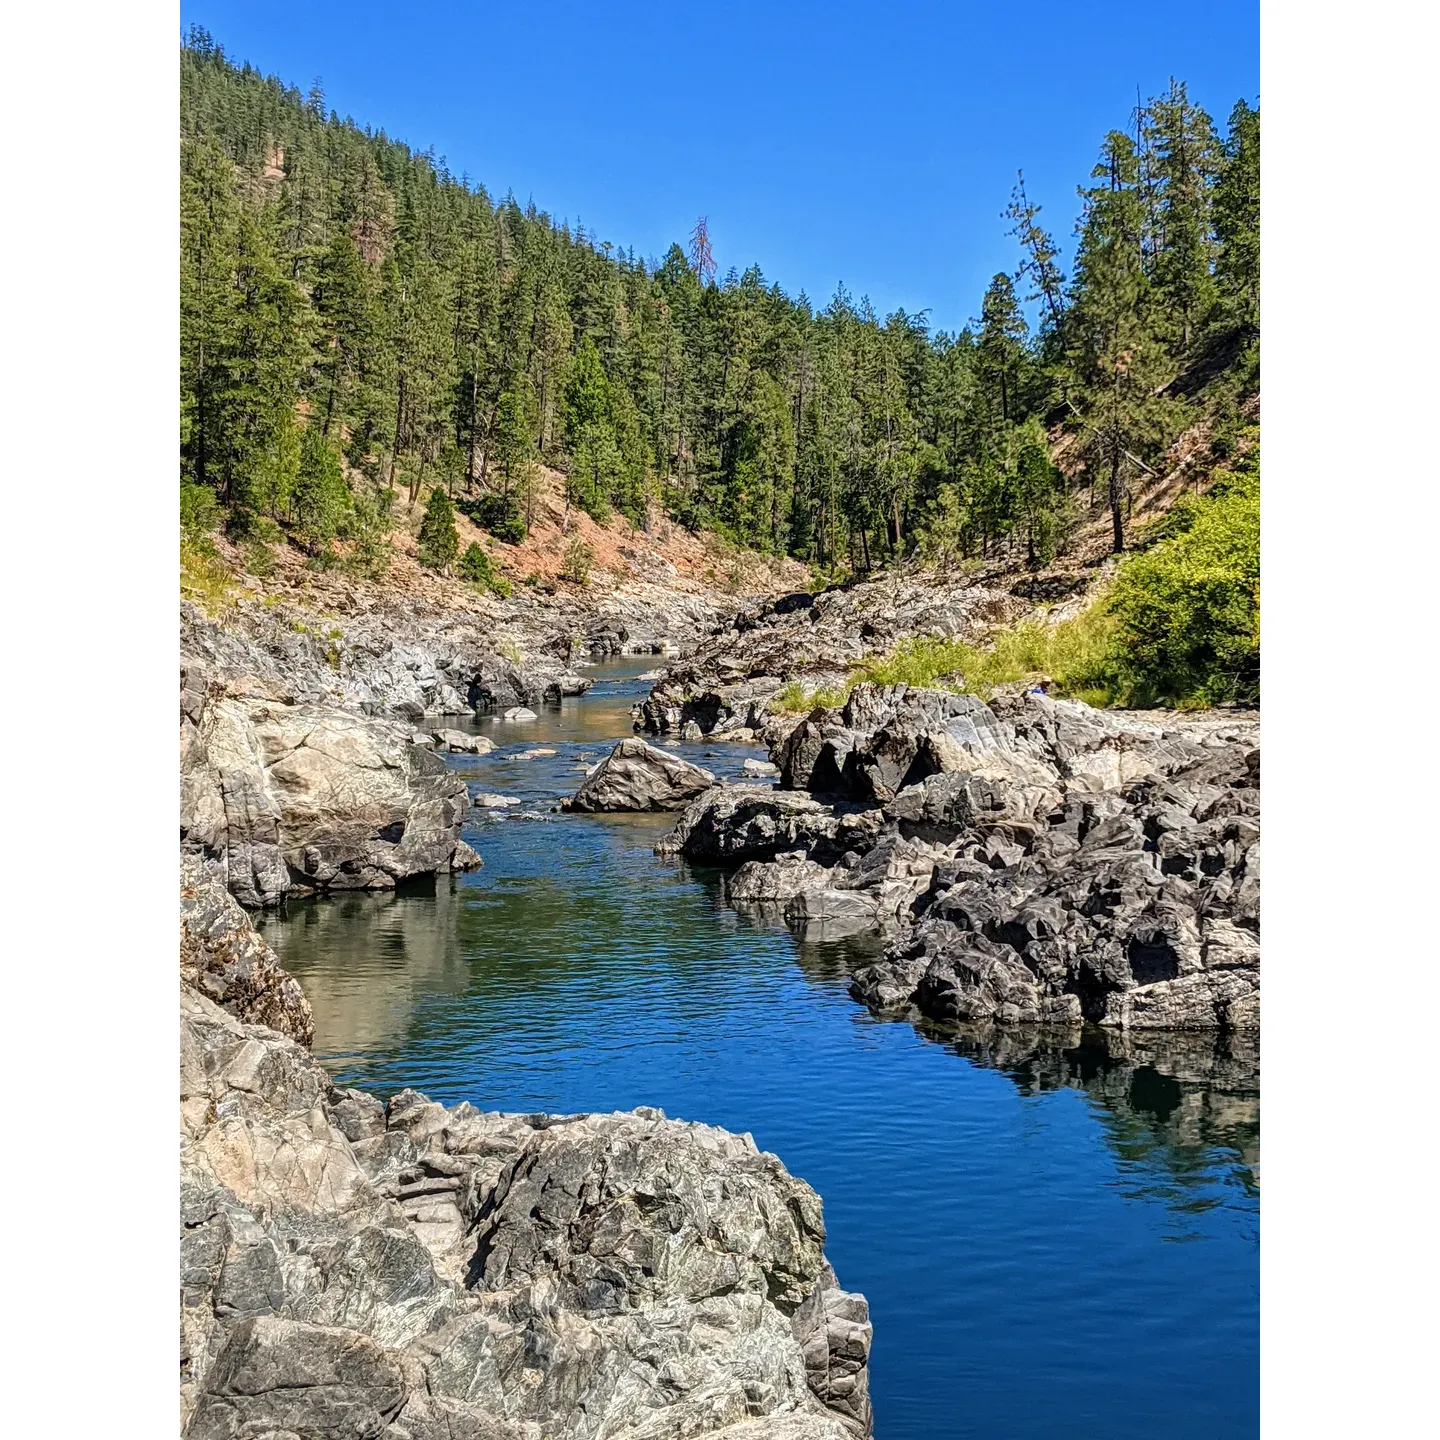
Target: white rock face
299 798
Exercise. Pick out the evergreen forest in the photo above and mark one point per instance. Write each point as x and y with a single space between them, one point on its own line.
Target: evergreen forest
359 324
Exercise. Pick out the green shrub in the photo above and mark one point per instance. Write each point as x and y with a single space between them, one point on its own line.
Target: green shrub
478 568
259 559
439 542
579 558
199 509
499 514
793 698
204 576
1187 610
1179 626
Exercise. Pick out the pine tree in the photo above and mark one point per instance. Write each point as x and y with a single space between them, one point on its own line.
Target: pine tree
209 218
344 302
1041 265
1237 218
1181 159
321 497
260 358
590 433
1118 358
514 442
439 540
1003 336
702 259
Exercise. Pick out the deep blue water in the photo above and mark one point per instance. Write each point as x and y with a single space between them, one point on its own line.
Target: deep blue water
1057 1236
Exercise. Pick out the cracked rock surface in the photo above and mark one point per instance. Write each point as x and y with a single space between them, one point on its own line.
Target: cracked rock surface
353 1268
298 798
1035 861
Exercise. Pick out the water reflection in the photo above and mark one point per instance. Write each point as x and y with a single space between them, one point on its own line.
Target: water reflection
1002 1198
1187 1103
382 954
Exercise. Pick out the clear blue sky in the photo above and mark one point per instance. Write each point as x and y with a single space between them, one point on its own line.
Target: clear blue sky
844 141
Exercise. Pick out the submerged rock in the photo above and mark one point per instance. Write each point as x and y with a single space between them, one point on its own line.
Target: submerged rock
565 685
637 776
461 743
485 800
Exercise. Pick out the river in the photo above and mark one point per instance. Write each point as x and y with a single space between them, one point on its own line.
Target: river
1057 1235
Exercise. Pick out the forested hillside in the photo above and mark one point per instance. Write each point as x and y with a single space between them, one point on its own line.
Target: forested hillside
356 323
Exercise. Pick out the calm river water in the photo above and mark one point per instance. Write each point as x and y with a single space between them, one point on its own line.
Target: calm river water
1058 1236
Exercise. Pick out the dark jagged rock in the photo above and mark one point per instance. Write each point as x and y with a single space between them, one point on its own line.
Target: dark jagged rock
1036 861
734 823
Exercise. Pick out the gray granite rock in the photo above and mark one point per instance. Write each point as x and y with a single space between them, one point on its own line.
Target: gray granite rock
637 776
224 958
412 1270
293 799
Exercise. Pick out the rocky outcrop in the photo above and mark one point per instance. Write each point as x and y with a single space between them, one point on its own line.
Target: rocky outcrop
1037 862
810 641
223 957
384 651
412 1270
637 776
736 823
389 661
298 798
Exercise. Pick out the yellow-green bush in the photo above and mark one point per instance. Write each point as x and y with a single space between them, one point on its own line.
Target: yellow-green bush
1179 625
1187 610
1076 655
794 698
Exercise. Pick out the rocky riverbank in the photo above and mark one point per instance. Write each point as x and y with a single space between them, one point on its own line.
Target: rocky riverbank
410 1270
301 767
1036 861
811 642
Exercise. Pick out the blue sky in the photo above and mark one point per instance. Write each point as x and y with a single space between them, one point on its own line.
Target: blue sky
826 142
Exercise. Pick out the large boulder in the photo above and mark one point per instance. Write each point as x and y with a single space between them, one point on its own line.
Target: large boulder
294 799
347 1266
775 881
637 776
736 823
